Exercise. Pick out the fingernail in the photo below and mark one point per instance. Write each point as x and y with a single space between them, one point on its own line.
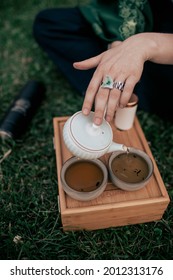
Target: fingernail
97 121
85 111
108 118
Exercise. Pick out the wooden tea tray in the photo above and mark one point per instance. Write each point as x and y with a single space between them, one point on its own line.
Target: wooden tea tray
114 207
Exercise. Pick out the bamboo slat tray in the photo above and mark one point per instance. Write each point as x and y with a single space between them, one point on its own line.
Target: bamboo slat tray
114 207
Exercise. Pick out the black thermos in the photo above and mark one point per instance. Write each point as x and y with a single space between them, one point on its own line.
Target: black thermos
22 109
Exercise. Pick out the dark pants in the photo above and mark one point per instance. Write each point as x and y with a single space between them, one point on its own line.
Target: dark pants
67 37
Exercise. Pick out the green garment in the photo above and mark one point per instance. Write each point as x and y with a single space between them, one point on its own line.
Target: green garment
118 19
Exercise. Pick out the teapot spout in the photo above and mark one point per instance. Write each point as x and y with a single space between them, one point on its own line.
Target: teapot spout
117 147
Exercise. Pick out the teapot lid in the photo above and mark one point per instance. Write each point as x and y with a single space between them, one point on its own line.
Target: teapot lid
89 136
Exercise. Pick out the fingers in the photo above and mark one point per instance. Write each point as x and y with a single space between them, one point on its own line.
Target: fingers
107 100
101 101
88 63
92 89
127 91
112 104
119 98
122 68
114 44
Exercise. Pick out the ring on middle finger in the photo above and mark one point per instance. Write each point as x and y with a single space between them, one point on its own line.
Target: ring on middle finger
118 85
107 82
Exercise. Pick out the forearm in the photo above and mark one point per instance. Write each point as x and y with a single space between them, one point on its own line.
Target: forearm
155 47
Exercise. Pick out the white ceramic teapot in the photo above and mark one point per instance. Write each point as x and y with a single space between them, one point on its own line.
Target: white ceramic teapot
86 140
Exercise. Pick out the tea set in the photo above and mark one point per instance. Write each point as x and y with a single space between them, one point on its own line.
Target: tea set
88 142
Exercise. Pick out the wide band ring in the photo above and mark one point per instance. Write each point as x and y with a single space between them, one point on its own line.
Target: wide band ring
107 83
119 85
110 84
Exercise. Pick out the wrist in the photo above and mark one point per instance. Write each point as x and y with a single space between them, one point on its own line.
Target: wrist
147 43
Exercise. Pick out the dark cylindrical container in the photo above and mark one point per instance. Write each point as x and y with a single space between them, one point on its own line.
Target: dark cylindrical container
21 111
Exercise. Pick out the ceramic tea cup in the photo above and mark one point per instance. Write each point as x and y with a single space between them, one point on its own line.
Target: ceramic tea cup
84 179
130 171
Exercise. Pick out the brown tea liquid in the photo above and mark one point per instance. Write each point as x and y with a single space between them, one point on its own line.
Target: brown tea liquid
130 168
84 176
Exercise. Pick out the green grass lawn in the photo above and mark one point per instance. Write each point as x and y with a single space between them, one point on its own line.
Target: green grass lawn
28 179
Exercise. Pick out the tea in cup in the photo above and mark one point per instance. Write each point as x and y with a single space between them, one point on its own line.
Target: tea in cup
84 179
131 170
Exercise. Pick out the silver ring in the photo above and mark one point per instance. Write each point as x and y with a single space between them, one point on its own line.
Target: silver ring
107 83
119 85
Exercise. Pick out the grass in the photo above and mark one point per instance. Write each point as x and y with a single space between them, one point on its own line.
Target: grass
30 223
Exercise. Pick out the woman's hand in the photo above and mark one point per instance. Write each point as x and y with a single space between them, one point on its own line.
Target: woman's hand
123 62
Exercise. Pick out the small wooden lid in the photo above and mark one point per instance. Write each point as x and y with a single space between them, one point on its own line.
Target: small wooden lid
133 100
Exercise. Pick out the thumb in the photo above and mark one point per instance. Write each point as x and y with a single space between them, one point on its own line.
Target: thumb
88 63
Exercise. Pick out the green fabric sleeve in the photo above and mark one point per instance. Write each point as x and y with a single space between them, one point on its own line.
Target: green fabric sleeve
118 19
